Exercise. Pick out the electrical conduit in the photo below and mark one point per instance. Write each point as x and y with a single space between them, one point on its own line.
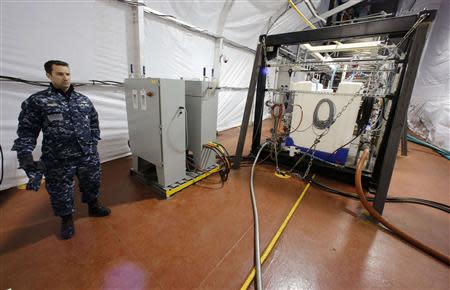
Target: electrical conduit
277 236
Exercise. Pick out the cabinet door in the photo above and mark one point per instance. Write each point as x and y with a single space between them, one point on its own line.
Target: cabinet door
144 118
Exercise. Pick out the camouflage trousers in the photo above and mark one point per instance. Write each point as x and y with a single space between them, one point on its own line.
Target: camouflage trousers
60 184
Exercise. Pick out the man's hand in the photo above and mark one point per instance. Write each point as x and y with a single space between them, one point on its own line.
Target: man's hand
34 171
26 162
34 180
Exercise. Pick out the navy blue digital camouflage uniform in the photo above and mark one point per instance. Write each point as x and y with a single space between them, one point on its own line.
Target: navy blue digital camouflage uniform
70 127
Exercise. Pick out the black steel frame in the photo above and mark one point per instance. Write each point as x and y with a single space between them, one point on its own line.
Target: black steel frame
394 27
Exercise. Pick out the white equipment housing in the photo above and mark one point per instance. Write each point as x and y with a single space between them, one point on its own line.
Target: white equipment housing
341 131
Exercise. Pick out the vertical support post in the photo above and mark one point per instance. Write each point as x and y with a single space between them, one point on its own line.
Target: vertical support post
218 52
404 140
331 6
248 108
259 105
140 38
399 118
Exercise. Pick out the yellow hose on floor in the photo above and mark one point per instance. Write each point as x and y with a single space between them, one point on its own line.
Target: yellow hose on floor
275 238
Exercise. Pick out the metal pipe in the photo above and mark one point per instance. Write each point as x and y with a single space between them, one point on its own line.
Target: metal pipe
338 9
335 60
312 9
371 17
329 93
256 223
341 70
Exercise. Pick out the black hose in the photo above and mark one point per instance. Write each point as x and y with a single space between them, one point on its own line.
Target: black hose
335 151
430 203
364 114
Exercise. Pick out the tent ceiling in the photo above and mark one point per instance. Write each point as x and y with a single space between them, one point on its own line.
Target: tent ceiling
231 18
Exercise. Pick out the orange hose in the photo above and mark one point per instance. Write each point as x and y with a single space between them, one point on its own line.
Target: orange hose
381 219
279 116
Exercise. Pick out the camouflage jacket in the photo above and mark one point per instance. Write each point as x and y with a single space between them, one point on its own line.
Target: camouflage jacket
69 123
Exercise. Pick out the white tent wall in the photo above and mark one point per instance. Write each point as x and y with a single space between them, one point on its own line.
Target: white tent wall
235 73
94 37
234 82
246 20
240 21
202 14
98 39
171 51
179 53
408 7
429 111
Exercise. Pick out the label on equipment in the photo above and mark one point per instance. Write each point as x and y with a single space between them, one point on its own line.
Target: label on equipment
143 100
134 97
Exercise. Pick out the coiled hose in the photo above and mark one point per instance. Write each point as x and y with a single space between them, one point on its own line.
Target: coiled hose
358 183
324 124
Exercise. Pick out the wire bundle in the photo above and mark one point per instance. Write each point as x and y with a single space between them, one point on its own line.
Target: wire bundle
301 118
277 118
46 83
324 124
277 111
364 114
28 82
222 155
191 166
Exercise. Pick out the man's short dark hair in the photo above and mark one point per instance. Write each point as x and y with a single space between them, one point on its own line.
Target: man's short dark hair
49 65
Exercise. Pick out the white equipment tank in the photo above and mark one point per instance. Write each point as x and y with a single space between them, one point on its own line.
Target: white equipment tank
318 106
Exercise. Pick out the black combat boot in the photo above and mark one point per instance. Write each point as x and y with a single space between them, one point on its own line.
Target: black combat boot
96 210
67 227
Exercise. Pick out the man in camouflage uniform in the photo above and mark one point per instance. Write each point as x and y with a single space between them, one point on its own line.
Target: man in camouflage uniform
70 127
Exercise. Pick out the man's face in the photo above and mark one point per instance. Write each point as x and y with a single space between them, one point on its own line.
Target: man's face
60 77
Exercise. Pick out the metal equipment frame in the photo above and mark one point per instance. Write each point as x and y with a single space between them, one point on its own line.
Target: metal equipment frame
169 191
395 27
